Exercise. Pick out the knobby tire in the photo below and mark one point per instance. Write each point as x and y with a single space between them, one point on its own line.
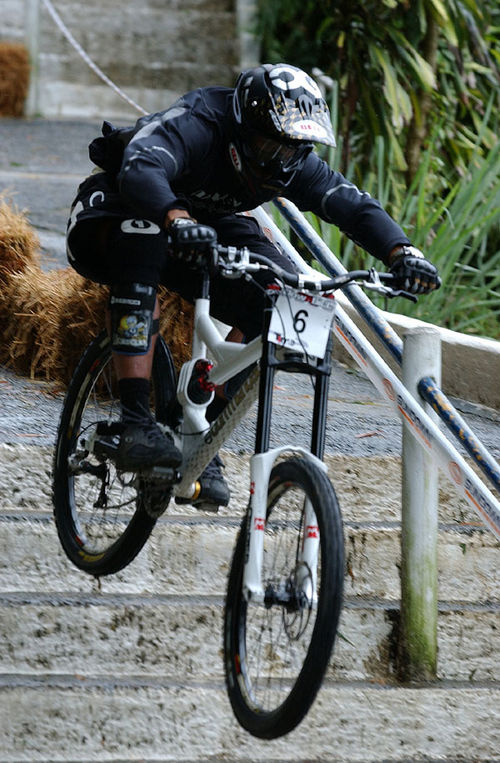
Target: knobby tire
79 526
269 705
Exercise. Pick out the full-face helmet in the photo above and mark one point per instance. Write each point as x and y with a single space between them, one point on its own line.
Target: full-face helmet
280 114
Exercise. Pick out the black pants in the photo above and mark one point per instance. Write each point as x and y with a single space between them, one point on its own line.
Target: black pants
125 251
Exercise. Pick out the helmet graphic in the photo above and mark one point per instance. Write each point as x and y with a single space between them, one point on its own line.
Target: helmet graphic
280 113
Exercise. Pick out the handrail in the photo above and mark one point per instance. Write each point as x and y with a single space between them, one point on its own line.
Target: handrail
421 425
430 392
390 339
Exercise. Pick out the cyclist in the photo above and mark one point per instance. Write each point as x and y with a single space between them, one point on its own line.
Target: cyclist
186 174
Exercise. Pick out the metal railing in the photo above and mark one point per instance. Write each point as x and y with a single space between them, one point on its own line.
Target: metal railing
424 446
371 315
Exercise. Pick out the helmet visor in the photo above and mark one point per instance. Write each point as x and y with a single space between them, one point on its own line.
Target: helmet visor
269 153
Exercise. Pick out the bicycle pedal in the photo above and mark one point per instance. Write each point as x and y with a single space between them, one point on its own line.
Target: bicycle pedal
201 505
161 474
206 506
106 448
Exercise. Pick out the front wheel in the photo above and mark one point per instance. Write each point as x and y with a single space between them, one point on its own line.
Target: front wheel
276 652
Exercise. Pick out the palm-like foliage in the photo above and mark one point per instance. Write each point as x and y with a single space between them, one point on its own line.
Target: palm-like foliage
401 67
415 106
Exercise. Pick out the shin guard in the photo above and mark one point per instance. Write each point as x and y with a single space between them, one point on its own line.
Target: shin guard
131 307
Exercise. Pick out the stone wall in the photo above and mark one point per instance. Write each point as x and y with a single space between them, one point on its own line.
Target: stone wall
153 50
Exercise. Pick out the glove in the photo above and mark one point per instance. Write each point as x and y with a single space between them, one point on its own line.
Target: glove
192 241
412 272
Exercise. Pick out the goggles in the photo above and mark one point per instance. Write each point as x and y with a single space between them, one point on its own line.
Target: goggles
268 152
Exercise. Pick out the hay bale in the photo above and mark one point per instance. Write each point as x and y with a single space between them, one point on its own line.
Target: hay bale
31 313
48 318
176 324
19 245
81 311
14 78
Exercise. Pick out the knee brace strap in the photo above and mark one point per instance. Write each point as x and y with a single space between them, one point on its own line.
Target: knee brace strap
131 307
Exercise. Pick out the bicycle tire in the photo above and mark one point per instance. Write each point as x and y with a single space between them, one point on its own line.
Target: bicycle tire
266 702
102 540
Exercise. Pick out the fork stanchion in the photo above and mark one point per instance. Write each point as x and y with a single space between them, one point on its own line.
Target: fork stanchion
418 635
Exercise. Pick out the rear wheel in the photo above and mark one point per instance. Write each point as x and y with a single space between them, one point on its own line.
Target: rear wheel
276 652
104 516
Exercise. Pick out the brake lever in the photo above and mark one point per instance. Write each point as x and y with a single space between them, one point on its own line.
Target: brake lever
387 291
402 293
375 284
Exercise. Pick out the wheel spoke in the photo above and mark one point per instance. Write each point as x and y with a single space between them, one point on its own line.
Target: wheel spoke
103 516
277 651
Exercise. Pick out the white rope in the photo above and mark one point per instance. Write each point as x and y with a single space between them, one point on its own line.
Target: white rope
64 29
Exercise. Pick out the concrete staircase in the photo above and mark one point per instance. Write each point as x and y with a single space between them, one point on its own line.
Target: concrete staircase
131 668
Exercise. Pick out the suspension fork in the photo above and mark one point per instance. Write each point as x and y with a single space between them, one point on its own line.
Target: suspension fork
261 464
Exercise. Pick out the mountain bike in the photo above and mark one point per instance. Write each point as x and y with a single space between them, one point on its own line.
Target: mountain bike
285 584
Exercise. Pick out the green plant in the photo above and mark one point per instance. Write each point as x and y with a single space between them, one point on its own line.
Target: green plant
459 231
401 68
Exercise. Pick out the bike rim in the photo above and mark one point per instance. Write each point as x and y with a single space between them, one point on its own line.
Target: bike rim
274 641
102 500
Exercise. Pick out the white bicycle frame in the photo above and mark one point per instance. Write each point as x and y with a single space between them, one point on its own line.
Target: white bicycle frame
199 441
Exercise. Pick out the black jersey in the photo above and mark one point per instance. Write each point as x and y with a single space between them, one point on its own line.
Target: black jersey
186 157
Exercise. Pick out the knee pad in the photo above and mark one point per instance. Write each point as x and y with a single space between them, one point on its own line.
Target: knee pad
131 307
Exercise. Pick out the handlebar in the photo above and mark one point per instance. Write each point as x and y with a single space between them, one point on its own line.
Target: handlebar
234 263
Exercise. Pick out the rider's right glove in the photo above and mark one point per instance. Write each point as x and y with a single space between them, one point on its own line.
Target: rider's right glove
413 273
192 241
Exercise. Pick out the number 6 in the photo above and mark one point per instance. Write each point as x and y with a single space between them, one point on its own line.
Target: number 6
299 324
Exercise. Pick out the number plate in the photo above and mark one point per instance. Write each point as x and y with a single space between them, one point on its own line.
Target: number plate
302 321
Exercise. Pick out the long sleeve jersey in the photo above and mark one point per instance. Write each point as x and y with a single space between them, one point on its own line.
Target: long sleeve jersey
185 157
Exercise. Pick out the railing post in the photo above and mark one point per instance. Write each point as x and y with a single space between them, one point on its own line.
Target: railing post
418 636
32 38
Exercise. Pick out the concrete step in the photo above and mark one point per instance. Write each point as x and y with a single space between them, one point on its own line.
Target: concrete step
68 717
191 555
130 667
368 488
181 636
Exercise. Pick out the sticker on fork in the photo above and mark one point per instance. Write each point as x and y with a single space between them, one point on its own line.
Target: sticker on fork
302 321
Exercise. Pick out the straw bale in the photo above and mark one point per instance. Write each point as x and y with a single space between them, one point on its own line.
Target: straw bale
176 324
19 245
28 315
48 318
81 311
14 78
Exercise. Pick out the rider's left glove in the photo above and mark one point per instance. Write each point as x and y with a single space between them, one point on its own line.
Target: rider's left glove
412 272
192 241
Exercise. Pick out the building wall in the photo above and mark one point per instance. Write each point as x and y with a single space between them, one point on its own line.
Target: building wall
152 49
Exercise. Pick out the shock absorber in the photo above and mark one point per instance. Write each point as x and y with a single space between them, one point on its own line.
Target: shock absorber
200 389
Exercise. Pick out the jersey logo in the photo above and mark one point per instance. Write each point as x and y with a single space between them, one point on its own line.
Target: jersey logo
235 158
96 198
217 202
139 226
